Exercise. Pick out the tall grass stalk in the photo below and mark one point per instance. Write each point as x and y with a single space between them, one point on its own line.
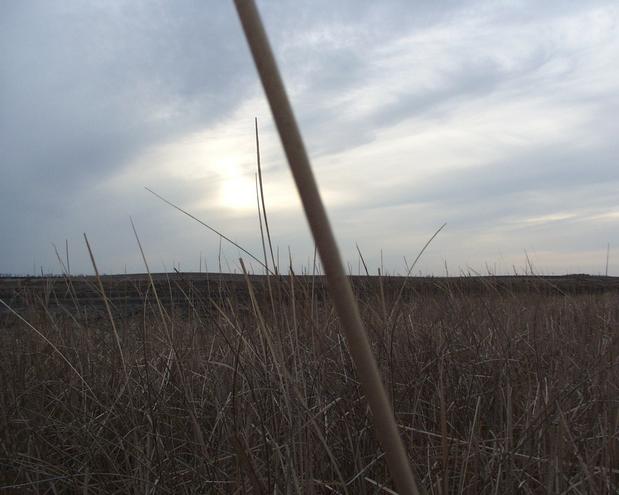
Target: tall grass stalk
315 212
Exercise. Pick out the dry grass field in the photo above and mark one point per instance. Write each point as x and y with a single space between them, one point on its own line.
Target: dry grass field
234 385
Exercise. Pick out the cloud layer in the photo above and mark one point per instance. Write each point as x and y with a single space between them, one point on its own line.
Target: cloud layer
498 118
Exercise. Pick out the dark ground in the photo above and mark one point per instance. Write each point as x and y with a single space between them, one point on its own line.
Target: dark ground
127 292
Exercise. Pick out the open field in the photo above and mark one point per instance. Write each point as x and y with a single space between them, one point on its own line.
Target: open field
128 292
224 384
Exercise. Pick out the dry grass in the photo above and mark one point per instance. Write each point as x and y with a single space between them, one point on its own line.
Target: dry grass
231 391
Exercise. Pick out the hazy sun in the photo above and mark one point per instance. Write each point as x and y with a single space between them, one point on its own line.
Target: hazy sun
237 190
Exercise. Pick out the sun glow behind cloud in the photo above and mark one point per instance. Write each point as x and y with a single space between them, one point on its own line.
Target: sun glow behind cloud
237 191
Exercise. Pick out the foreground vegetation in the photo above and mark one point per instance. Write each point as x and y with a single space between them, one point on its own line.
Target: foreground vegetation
252 390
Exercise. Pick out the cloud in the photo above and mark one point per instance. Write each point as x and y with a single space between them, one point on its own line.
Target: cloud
90 85
498 118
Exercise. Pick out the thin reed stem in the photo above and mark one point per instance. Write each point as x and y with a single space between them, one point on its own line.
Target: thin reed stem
340 289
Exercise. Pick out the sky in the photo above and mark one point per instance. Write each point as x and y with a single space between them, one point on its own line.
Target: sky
498 119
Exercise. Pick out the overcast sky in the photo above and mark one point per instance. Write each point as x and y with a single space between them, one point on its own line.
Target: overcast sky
497 118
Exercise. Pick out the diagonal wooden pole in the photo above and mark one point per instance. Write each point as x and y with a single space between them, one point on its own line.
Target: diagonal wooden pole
339 286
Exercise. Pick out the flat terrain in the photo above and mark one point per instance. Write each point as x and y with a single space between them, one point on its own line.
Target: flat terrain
128 292
207 383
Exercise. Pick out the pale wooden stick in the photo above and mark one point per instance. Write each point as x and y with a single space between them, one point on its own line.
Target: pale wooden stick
339 285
